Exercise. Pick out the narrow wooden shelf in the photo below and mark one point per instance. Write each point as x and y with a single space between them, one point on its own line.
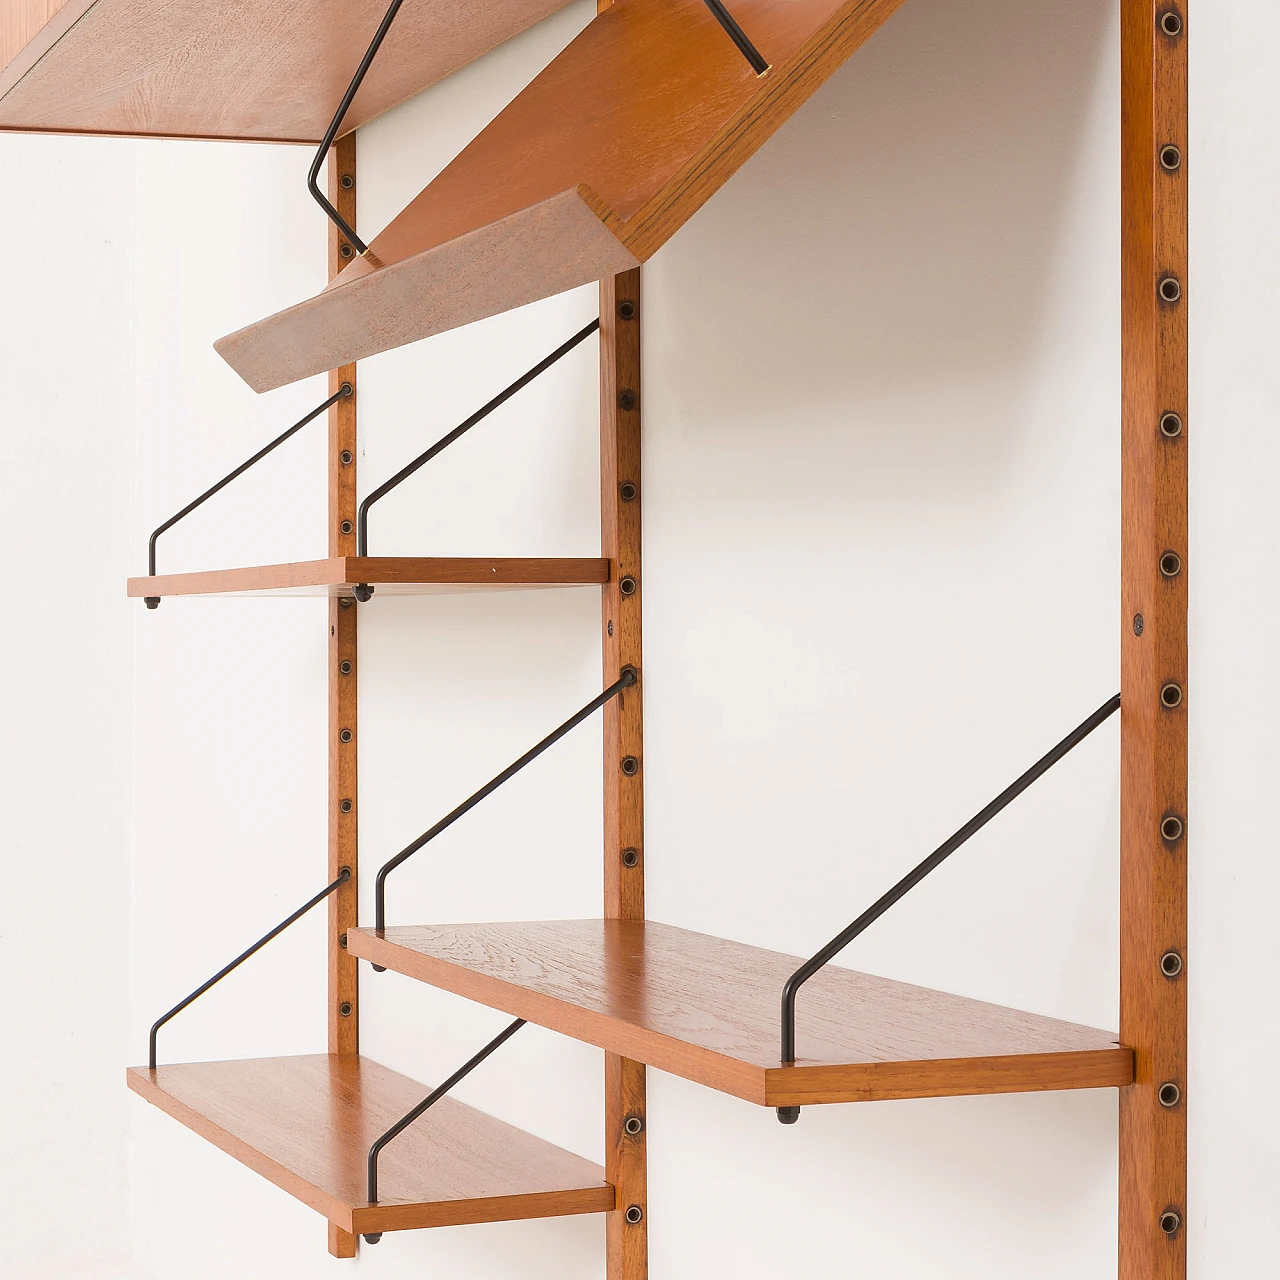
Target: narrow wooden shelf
593 167
263 70
306 1124
388 575
707 1009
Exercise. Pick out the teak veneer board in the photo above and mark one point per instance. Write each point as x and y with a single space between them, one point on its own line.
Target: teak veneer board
306 1124
707 1009
594 166
388 575
258 70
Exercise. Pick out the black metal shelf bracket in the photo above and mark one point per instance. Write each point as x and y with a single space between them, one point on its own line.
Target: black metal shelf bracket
429 1101
153 602
241 958
626 680
336 123
738 36
363 591
789 1115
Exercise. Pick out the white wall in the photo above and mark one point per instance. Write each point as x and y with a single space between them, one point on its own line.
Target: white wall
66 413
881 548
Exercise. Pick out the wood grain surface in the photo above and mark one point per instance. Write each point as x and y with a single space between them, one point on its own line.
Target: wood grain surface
306 1124
1153 870
553 245
594 166
390 575
20 22
707 1009
244 69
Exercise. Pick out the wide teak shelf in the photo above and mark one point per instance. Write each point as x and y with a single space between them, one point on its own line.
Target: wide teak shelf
707 1009
265 70
388 575
593 167
306 1124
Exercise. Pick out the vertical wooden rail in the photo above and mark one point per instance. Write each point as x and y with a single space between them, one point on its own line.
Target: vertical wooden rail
344 1003
1153 855
620 490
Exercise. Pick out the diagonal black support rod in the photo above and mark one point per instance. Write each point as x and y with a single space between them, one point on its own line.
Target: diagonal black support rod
429 1101
625 681
362 519
240 959
342 392
908 882
738 36
332 132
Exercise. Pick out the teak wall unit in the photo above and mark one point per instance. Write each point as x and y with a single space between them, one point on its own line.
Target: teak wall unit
600 160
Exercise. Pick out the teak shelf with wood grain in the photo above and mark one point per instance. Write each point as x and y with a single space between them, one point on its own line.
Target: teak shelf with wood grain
707 1009
258 70
306 1124
388 575
587 173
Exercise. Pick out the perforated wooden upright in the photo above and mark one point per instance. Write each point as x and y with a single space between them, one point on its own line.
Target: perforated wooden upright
590 169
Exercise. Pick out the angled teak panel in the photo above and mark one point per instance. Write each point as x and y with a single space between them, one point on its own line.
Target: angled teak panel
1156 693
593 167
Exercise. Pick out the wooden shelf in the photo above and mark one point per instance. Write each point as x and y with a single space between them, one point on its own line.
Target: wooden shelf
266 70
593 167
707 1009
388 575
306 1124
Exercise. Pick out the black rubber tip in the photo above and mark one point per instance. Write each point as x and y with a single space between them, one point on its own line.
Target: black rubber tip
378 968
373 1237
788 1115
152 602
362 592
